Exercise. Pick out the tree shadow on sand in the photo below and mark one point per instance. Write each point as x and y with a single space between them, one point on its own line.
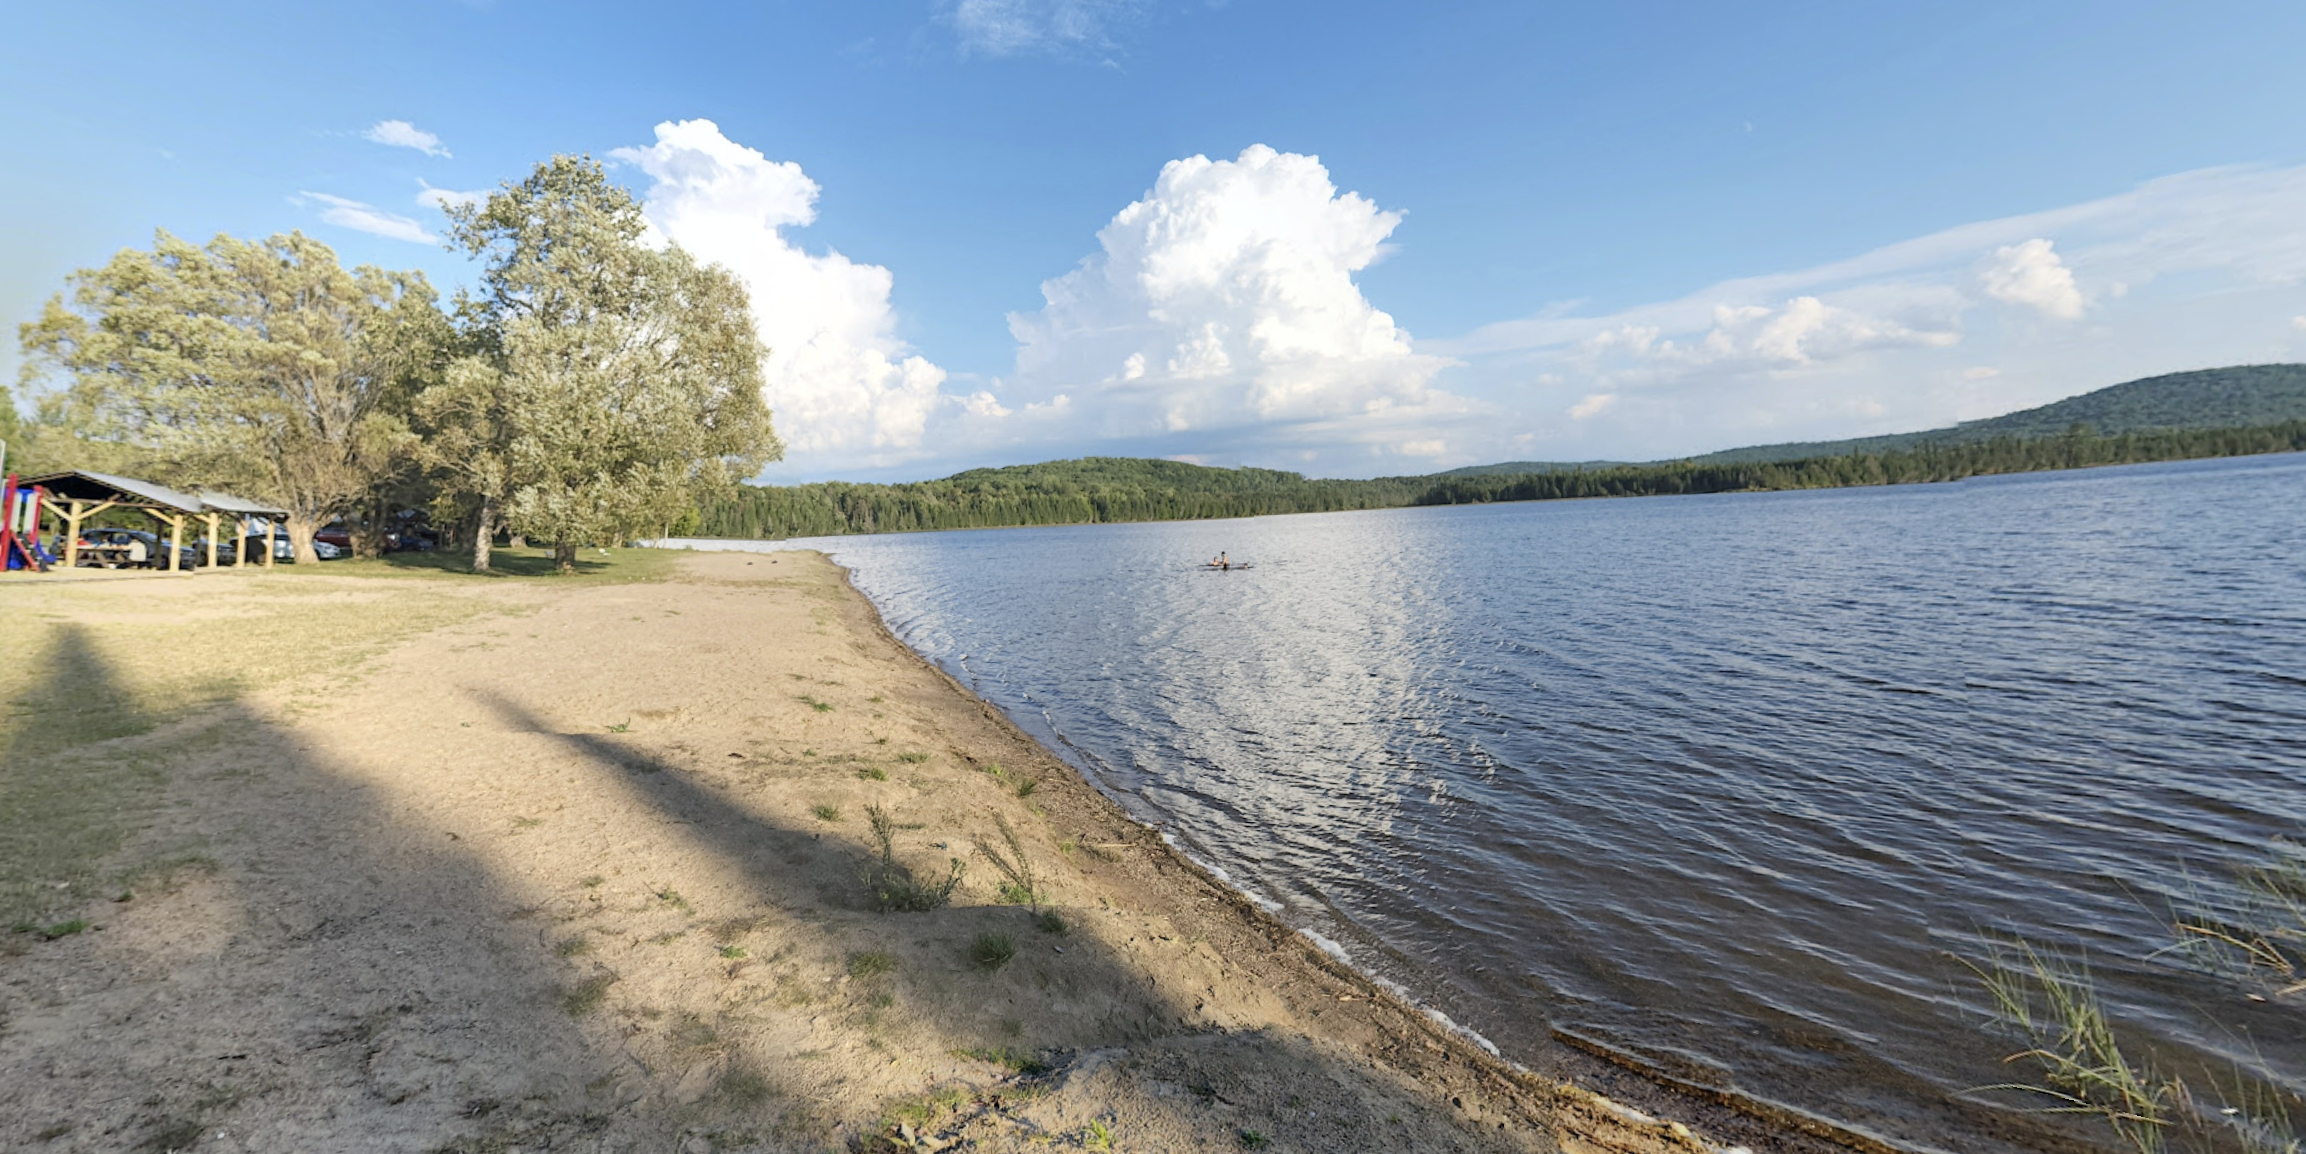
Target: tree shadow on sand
317 955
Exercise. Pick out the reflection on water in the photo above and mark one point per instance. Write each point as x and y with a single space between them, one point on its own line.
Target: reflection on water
1724 780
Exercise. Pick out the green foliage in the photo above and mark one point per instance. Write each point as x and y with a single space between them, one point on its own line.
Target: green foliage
2240 396
1020 887
871 964
894 886
259 366
1950 462
992 951
612 383
1096 490
1092 490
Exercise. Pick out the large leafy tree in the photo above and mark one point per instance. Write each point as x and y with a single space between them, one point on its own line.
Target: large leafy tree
260 366
615 382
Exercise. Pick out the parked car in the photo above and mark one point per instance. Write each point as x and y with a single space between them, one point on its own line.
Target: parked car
110 549
283 551
336 535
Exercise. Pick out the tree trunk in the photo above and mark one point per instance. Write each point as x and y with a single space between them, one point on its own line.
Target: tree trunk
368 542
483 534
301 527
564 556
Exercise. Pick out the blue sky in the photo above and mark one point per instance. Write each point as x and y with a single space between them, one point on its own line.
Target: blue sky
1345 238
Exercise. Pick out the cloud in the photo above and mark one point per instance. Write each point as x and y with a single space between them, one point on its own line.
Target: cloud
2031 274
1592 404
402 134
1223 301
844 389
366 218
447 198
1025 27
2186 271
2298 323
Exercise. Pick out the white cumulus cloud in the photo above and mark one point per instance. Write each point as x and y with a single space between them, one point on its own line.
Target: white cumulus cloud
2031 273
402 134
844 388
447 198
1224 299
366 218
1022 27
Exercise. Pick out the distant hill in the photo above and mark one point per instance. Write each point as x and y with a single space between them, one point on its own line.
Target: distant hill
2228 398
2212 413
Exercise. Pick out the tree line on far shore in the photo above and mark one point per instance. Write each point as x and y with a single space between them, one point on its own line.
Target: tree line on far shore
595 386
1097 490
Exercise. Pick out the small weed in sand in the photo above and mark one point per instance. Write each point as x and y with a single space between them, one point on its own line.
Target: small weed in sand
871 964
875 699
1097 1136
813 703
1026 787
674 899
733 951
573 947
585 997
1050 922
64 929
527 822
826 812
592 881
992 951
1253 1140
808 753
625 726
912 757
893 885
873 773
927 1108
1022 888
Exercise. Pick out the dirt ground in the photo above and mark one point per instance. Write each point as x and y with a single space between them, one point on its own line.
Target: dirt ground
583 867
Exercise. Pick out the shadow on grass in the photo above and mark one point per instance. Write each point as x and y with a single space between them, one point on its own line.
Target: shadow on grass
592 565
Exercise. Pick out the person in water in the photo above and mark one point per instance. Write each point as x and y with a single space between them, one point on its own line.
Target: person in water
1222 562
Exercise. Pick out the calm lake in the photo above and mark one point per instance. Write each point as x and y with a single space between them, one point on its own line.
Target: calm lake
1729 782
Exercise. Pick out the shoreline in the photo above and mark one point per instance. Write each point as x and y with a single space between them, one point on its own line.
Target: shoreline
578 866
1668 1097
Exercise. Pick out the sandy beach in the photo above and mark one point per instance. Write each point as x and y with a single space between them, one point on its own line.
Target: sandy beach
522 865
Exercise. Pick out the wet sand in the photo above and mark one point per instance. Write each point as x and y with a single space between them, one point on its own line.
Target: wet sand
584 869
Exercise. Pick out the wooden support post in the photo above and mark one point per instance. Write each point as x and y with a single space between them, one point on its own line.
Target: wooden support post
213 530
72 536
176 543
271 541
239 541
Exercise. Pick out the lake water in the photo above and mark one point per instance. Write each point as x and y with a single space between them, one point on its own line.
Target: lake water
1729 782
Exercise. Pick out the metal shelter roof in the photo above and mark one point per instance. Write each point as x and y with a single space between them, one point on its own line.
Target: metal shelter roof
82 485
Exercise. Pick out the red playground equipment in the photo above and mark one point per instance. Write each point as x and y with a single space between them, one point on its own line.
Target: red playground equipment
20 508
20 526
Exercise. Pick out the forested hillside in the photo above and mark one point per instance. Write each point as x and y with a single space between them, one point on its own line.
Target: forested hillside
1105 489
2235 397
1087 491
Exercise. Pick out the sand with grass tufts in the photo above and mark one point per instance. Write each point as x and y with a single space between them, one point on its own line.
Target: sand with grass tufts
370 863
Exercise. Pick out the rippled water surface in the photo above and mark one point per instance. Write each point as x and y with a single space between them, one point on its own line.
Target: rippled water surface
1725 781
